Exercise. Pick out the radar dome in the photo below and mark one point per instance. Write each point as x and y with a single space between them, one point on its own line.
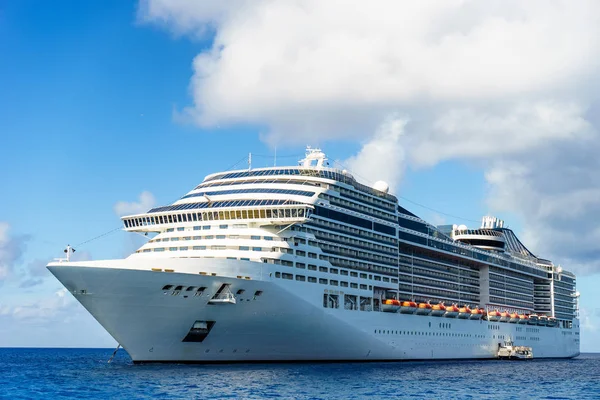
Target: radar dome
381 186
462 227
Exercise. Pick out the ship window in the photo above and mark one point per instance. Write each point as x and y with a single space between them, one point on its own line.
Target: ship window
170 230
312 267
172 248
208 237
322 269
196 228
223 226
300 265
199 247
180 229
175 239
220 236
277 274
190 288
300 278
343 272
167 287
179 288
323 281
377 278
287 276
312 279
353 285
206 227
333 271
364 287
267 238
257 249
334 283
258 293
344 284
353 274
363 276
240 291
244 248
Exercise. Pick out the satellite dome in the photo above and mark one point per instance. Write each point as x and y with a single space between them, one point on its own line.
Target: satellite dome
462 227
381 186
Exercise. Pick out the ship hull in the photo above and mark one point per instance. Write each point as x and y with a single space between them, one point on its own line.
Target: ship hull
273 320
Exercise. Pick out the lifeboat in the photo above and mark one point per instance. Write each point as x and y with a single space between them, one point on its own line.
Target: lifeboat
523 319
390 305
408 307
542 320
438 310
424 309
493 315
504 316
533 319
451 311
476 313
464 312
514 318
552 321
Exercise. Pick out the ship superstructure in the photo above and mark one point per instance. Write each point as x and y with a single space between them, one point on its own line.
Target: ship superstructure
306 263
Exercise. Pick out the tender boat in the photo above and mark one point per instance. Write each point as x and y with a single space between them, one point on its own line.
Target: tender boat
542 320
390 305
552 321
533 319
451 311
408 307
424 309
476 313
464 312
509 351
514 318
504 316
523 319
493 315
438 310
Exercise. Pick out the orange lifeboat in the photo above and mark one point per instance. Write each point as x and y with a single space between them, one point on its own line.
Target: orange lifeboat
408 307
390 305
476 313
504 316
424 309
514 318
438 310
451 311
464 312
493 315
523 319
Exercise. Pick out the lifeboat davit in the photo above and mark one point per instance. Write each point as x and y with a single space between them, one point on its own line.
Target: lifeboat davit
438 310
493 315
424 309
514 318
476 313
523 319
390 305
533 319
408 307
464 312
451 311
552 321
504 316
542 320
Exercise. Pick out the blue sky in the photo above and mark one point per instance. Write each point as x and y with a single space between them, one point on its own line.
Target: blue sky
91 104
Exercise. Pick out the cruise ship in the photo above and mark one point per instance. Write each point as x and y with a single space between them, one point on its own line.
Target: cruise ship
304 263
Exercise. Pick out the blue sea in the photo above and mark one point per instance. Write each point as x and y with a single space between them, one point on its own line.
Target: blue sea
85 373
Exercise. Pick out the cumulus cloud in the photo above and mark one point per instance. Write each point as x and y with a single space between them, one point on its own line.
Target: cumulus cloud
507 83
11 250
146 202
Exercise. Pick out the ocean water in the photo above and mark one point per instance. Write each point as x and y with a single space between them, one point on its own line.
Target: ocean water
85 373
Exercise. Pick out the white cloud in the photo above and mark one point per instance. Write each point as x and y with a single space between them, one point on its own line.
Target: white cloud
11 250
145 203
511 84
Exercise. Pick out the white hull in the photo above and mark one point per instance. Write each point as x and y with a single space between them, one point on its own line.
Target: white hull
287 322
